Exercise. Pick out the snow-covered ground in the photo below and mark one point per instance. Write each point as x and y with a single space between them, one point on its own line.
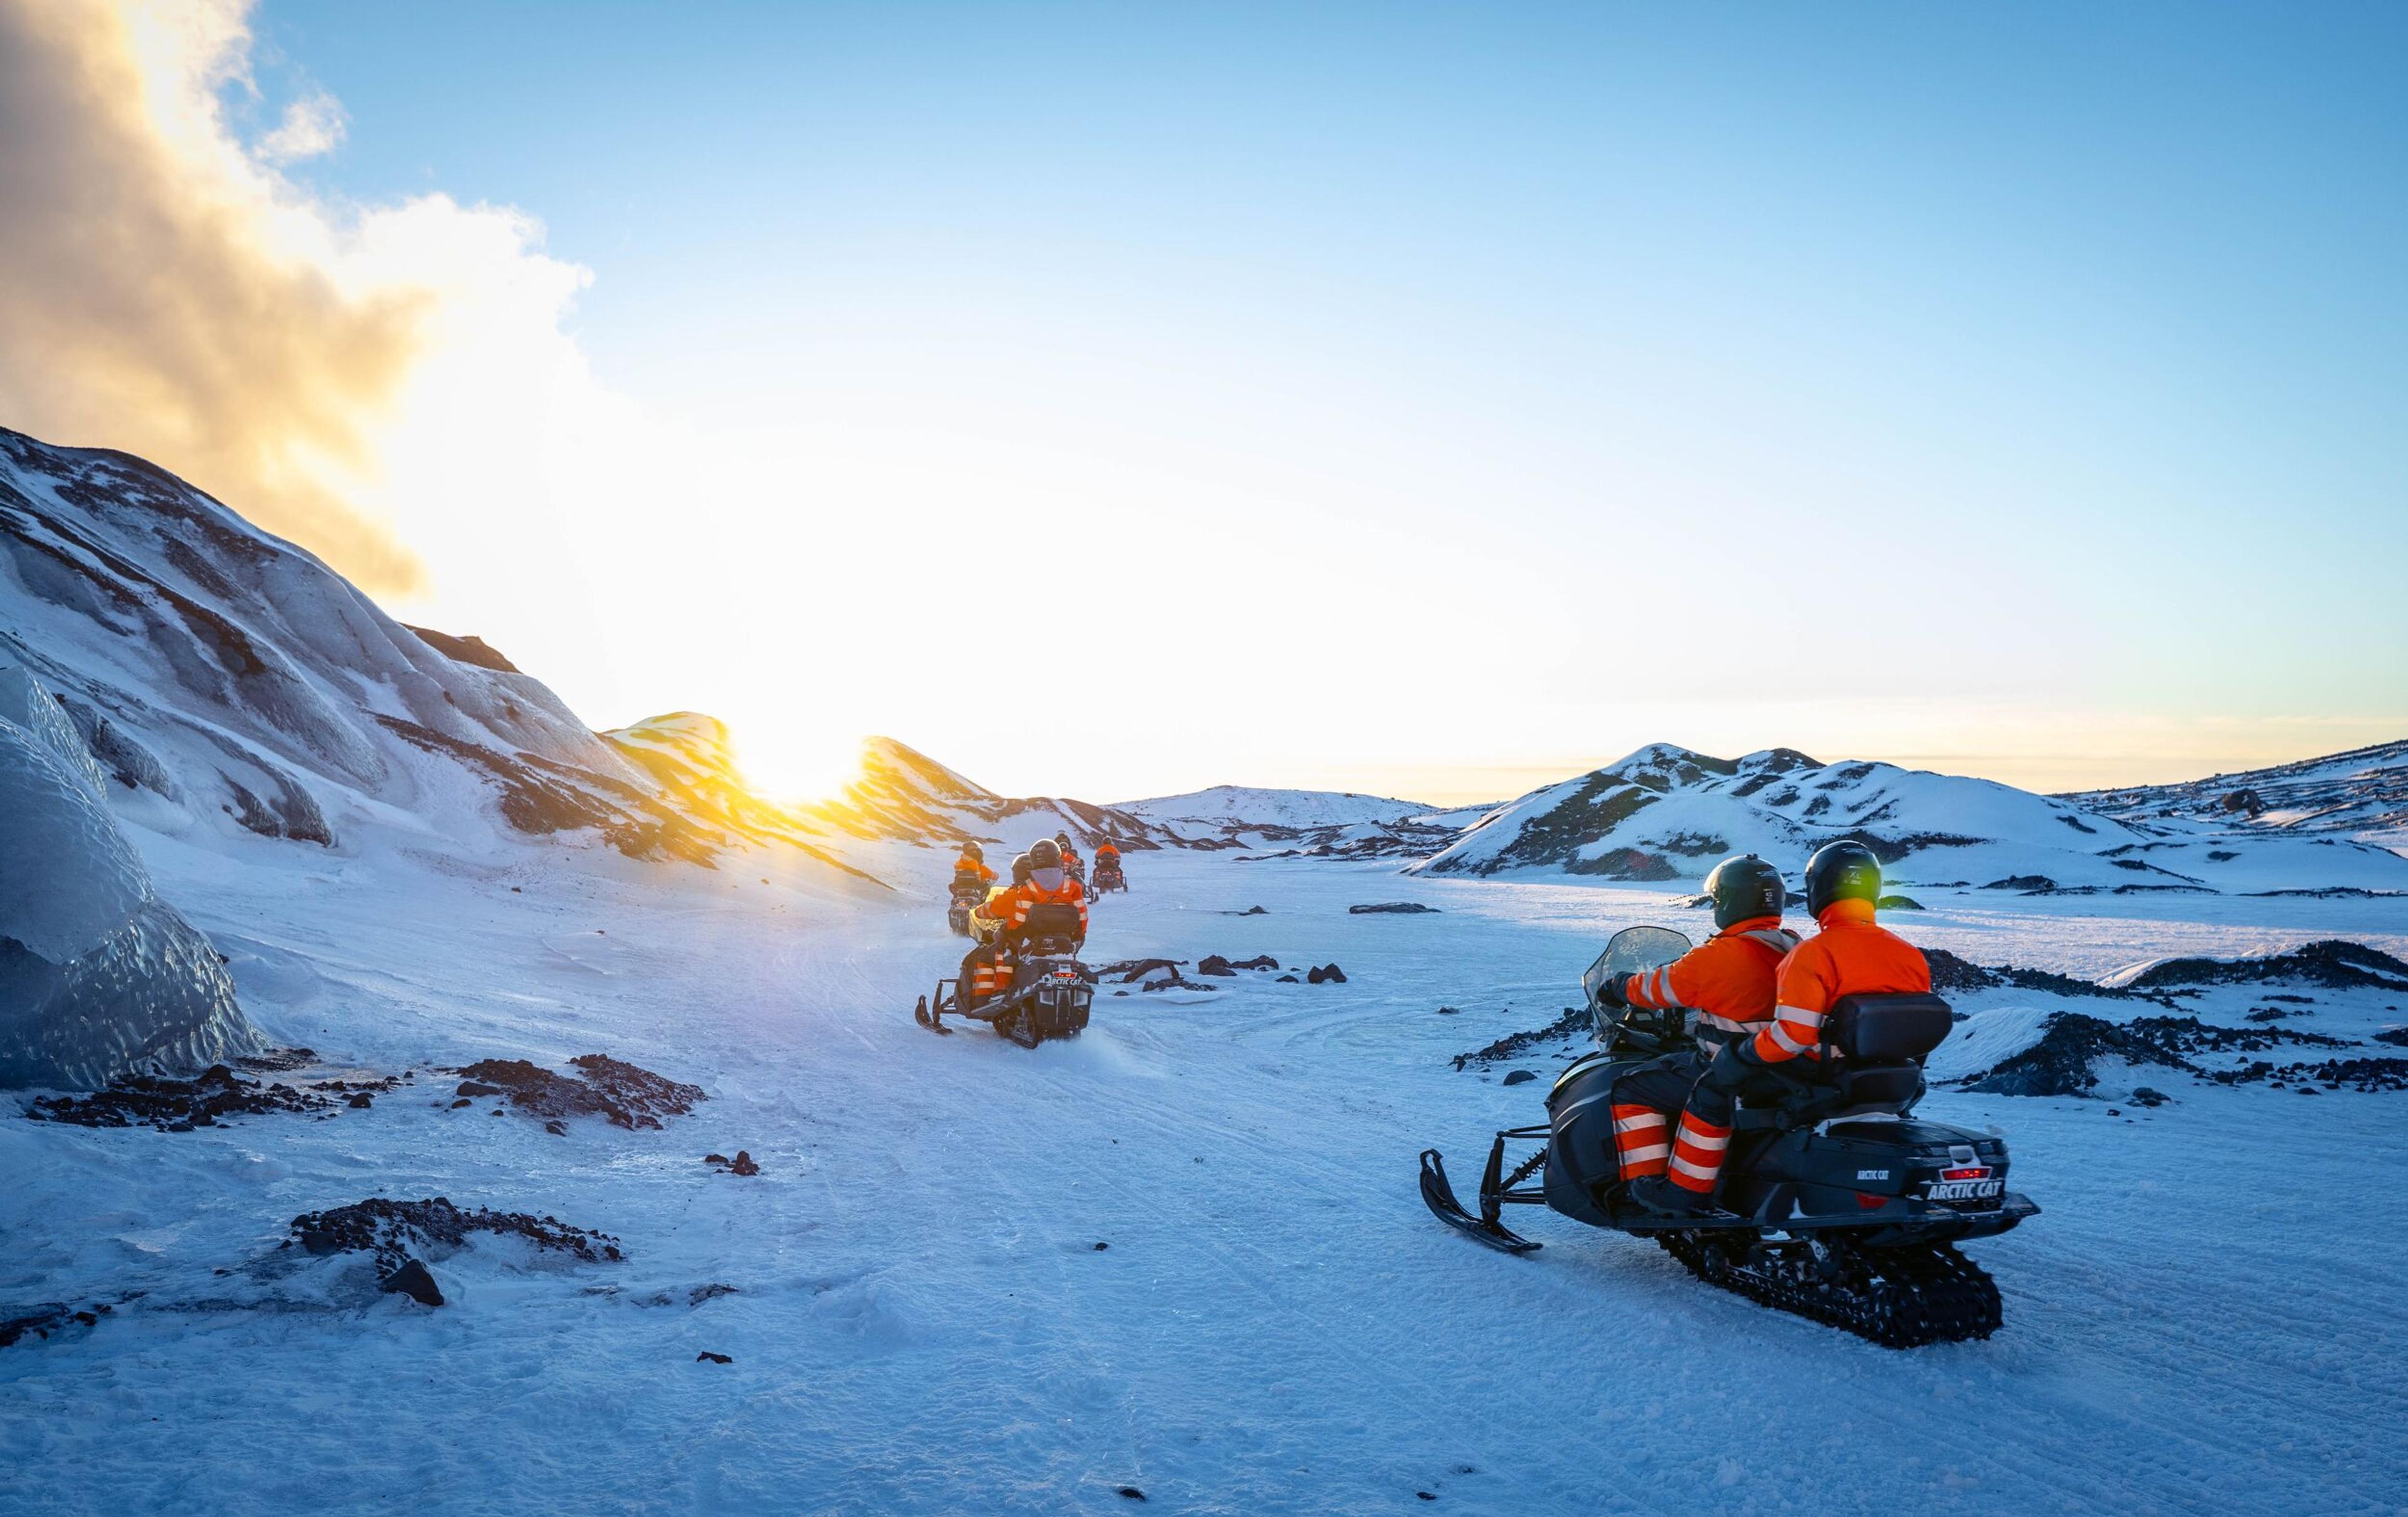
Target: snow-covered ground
2206 1318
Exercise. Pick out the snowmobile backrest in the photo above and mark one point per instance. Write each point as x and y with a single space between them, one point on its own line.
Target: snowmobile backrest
1052 919
1880 1028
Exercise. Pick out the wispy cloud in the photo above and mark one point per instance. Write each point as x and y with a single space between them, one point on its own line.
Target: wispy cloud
164 289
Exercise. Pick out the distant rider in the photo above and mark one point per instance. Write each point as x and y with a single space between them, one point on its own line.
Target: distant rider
1069 855
1725 982
971 874
1848 955
1108 858
1047 885
986 969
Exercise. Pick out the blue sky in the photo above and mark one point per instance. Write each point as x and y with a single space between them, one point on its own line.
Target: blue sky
2014 390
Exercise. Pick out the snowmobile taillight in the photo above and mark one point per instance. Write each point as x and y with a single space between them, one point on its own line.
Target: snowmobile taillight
1867 1201
1976 1173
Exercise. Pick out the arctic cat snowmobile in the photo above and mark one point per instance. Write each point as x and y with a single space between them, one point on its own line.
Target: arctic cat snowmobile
1109 878
1050 994
1836 1202
965 897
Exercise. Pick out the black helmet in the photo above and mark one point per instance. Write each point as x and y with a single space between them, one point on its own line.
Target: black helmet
975 851
1022 869
1843 871
1063 838
1745 886
1043 854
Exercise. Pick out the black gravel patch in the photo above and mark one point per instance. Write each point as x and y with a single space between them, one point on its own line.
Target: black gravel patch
52 1317
2061 1063
1390 908
1571 1023
1950 972
625 1095
2334 962
395 1232
216 1094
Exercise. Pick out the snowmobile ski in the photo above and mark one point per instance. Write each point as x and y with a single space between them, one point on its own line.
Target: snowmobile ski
1439 1196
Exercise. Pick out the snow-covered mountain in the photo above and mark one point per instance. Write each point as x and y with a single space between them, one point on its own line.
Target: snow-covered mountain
1318 823
231 685
2362 794
1667 813
1254 809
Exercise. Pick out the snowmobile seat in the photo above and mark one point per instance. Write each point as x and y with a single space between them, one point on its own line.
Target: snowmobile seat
1884 1029
1052 919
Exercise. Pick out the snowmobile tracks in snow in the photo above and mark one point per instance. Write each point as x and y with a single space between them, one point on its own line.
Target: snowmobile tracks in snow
1899 1299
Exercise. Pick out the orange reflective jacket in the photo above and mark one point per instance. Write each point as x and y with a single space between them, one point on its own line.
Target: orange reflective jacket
1106 851
1010 905
1728 980
1850 956
968 868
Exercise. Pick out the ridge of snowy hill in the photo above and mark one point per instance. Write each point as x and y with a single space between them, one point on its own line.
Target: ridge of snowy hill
1259 807
898 794
1666 813
232 685
2361 793
1311 824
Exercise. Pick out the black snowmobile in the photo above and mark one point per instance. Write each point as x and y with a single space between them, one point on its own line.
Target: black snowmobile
1051 989
966 893
1109 878
1837 1203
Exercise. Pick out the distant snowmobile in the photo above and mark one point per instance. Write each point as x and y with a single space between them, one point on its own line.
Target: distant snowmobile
965 897
1869 1201
1050 994
1109 878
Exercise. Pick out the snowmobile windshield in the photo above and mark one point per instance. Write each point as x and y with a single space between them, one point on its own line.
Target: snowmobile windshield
1048 880
1631 950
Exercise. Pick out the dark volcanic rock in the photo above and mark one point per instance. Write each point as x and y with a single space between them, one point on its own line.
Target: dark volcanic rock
1213 963
2061 1063
706 1357
1897 903
2030 884
1951 973
413 1280
2246 802
1328 974
179 1106
395 1232
1387 907
2334 962
1571 1023
43 1320
741 1165
627 1095
1520 1076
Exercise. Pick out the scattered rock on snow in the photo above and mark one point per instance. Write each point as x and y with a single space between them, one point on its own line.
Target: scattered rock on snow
413 1280
2142 1096
179 1106
2030 884
741 1165
714 1358
1897 903
1289 980
1571 1023
1388 908
43 1320
1328 974
1520 1076
629 1097
1213 963
397 1232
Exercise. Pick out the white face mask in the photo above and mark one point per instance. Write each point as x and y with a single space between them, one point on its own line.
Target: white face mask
1048 880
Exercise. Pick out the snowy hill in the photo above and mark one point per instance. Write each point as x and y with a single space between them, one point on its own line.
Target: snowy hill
1316 823
231 685
1664 813
1256 809
2361 795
